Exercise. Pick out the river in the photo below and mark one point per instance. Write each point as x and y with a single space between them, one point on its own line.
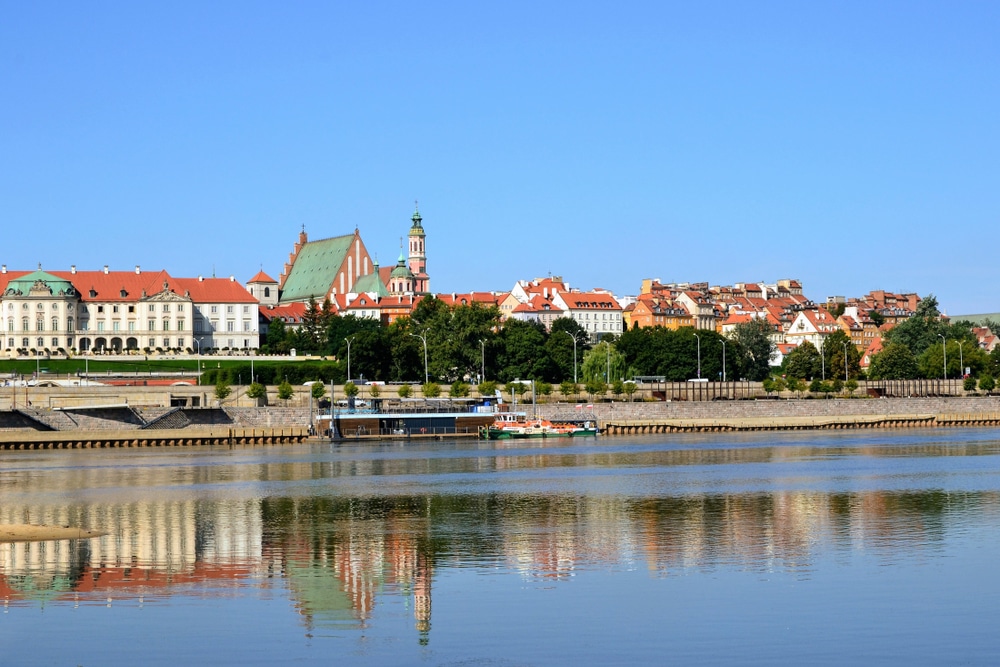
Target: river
824 547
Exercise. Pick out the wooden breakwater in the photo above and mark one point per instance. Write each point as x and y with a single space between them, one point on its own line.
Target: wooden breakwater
188 437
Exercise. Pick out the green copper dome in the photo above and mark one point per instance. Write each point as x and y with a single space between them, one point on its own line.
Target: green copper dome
40 283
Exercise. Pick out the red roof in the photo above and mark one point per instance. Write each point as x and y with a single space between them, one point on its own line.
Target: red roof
261 277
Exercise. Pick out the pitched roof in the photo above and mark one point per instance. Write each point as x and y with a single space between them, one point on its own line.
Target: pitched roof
261 277
315 268
289 312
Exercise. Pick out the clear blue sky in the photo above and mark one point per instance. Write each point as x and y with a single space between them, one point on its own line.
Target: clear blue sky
851 145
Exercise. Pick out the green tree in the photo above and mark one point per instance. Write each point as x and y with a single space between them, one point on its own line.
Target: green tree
431 390
852 386
754 348
543 388
516 388
969 384
596 387
277 336
374 391
803 362
617 388
894 362
604 362
487 388
285 391
630 388
796 385
318 390
561 349
350 389
222 389
987 383
458 389
920 331
404 391
256 391
834 347
568 388
522 351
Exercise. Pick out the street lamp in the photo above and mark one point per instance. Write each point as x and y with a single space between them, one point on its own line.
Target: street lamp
574 354
423 337
699 355
845 362
349 340
944 350
197 344
723 360
482 344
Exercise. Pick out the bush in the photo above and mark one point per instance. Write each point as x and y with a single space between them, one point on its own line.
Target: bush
351 389
458 390
987 383
285 390
969 384
431 390
405 391
373 390
256 390
487 388
543 388
318 390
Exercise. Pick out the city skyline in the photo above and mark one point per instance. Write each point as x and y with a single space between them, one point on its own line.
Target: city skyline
846 146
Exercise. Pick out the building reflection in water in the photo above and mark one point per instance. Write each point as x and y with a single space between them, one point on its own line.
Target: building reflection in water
336 557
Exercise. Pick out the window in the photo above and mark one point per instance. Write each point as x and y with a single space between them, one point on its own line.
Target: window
215 309
40 341
10 342
131 309
166 307
39 324
230 325
100 309
24 342
100 325
180 342
214 325
24 307
166 325
10 324
246 325
151 325
69 324
116 326
55 324
229 309
152 307
41 306
166 342
267 292
131 325
180 324
55 342
246 309
114 309
24 324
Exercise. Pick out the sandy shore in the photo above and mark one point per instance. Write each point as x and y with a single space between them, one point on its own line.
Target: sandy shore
29 533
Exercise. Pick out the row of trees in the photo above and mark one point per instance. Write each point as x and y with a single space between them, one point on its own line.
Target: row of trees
473 343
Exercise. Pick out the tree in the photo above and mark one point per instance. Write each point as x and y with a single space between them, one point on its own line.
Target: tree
458 389
285 391
516 388
256 390
617 388
404 391
603 362
350 389
852 386
568 388
796 385
894 362
754 348
487 388
803 362
522 352
277 336
222 389
987 383
920 331
431 390
373 390
318 390
596 387
969 384
630 388
834 347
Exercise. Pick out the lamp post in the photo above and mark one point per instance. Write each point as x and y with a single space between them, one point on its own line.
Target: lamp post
349 340
482 344
574 354
944 350
822 358
961 361
845 362
723 360
423 337
699 355
197 344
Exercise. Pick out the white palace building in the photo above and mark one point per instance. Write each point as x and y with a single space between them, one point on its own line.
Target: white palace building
96 312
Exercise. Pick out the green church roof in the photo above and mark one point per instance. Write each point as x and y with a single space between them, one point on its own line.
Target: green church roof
315 269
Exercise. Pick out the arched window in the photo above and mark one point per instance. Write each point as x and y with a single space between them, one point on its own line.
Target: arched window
24 324
267 292
69 324
55 324
39 324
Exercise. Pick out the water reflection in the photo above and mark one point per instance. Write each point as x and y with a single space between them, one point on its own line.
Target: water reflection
341 531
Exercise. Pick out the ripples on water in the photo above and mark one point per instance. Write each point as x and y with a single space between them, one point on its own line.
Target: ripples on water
773 548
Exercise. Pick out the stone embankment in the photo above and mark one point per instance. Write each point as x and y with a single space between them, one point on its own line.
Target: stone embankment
668 417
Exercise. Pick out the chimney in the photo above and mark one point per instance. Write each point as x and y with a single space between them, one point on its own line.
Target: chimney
137 271
232 279
3 269
105 269
72 269
201 279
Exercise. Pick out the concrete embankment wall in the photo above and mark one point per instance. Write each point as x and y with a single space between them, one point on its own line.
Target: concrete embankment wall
624 418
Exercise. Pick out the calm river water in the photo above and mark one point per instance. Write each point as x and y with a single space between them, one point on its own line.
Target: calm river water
841 547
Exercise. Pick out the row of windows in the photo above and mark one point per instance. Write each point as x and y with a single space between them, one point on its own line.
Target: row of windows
101 344
116 325
130 308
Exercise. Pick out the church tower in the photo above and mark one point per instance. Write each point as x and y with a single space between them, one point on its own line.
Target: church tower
418 255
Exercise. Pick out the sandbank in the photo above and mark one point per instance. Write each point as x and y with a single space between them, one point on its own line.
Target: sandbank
34 533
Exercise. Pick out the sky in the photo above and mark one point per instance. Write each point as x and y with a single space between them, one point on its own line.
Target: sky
850 145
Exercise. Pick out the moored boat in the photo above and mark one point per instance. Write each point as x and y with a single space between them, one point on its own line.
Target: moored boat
511 425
